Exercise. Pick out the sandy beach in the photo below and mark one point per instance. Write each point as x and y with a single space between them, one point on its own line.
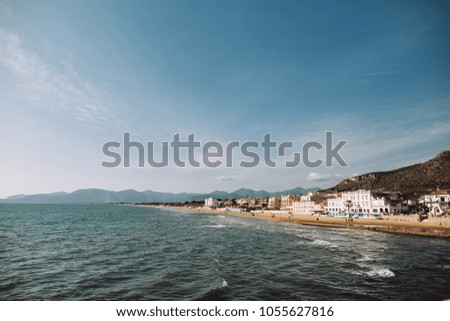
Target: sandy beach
404 224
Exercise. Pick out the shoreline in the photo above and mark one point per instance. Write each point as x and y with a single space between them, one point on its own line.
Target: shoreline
430 229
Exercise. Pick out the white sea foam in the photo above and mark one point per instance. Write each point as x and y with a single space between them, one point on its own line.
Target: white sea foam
365 258
223 285
357 272
380 272
216 226
301 236
288 230
323 243
376 272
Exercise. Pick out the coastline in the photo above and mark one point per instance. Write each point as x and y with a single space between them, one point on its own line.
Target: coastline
390 224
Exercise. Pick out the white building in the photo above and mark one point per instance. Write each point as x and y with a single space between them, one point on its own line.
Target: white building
318 208
336 206
360 203
287 201
274 203
306 207
306 197
303 207
437 202
211 202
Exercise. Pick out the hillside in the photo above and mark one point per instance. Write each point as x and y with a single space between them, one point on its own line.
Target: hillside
410 180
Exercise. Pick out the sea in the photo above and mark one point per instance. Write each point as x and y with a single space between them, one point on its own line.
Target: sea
112 252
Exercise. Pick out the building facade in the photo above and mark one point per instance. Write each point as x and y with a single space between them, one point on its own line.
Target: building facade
287 201
274 203
303 207
360 203
438 202
211 202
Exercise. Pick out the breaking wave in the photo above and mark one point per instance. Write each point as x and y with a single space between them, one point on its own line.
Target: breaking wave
365 258
380 272
375 271
216 226
323 243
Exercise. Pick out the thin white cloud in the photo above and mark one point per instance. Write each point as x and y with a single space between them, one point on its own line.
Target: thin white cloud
404 138
316 177
224 178
56 87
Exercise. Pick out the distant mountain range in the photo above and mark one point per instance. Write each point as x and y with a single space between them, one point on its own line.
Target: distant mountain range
411 180
131 196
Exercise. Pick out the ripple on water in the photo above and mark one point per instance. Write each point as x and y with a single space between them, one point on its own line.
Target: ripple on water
102 252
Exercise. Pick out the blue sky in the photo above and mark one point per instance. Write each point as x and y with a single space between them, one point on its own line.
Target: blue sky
76 74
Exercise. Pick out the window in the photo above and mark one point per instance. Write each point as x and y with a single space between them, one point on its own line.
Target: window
375 210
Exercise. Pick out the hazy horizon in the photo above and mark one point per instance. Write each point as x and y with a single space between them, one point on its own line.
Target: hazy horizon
141 191
231 190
